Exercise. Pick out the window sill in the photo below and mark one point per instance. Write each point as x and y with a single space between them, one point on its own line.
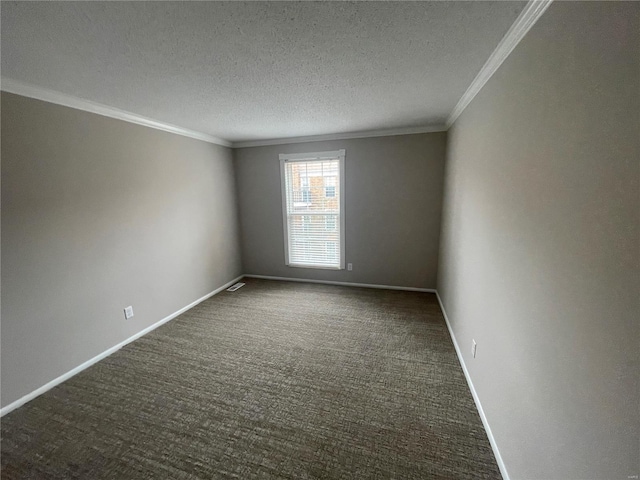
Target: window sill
319 267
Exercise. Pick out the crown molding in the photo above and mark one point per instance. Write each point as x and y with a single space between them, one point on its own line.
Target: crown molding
527 19
341 136
32 91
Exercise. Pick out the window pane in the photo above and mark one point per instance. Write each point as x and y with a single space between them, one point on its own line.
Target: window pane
311 243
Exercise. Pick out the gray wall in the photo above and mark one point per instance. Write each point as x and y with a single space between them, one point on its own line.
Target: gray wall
539 259
98 214
393 197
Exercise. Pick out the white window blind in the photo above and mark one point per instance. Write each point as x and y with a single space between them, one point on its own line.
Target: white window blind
313 209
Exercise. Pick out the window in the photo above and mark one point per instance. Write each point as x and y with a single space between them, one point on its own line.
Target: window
305 190
330 223
331 248
330 187
313 209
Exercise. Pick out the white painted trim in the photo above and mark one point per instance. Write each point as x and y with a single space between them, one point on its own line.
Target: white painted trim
341 136
343 210
527 18
285 221
32 91
304 157
344 284
57 381
313 157
476 399
51 96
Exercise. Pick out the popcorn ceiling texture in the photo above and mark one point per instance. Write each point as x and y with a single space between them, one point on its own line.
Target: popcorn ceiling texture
246 71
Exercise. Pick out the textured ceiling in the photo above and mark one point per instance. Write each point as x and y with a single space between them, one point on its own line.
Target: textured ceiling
247 71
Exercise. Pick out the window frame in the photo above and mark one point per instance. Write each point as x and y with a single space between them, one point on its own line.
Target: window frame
308 157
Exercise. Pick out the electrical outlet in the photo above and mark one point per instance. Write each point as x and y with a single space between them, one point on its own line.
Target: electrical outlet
128 312
473 348
349 266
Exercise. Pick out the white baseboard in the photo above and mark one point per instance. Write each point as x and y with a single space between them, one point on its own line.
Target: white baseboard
476 399
39 391
56 381
345 284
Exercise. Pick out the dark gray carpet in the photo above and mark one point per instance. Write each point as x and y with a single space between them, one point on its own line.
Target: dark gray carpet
276 380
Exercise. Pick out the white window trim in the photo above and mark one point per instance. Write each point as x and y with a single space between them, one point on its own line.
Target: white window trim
304 157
